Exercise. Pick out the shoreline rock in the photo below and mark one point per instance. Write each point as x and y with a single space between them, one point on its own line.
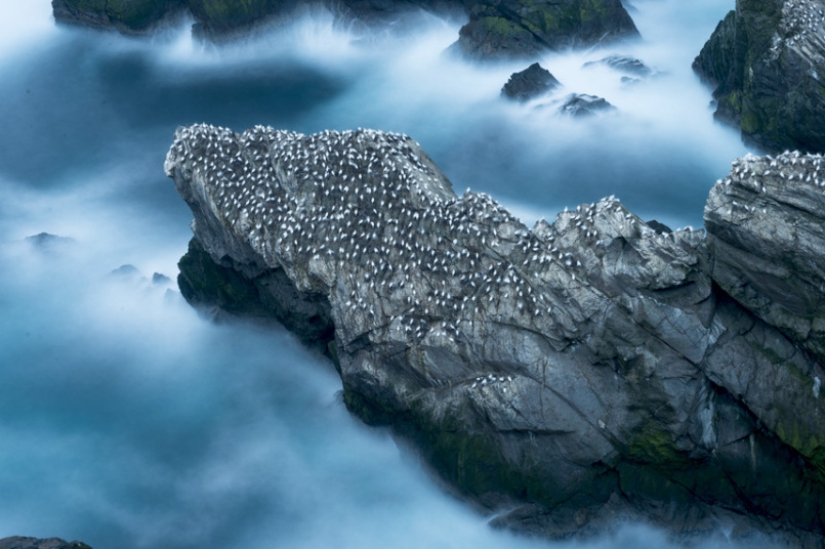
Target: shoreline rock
583 370
765 60
513 28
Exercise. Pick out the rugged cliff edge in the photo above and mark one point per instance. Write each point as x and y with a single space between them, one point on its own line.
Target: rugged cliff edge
767 61
567 376
496 28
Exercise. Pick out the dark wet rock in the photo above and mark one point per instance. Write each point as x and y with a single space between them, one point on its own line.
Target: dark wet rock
582 104
766 60
523 29
568 375
47 242
129 16
17 542
509 28
622 63
530 83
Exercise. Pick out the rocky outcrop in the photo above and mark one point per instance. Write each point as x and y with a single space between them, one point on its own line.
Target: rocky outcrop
624 64
566 375
532 82
129 16
766 59
765 225
17 542
524 29
582 104
509 28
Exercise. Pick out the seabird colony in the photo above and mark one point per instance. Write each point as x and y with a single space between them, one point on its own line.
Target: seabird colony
366 218
802 21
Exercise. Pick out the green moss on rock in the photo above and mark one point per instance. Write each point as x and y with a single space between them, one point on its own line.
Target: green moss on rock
767 88
126 15
226 14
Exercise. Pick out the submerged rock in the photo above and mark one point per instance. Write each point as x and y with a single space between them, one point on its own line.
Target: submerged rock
581 104
766 59
579 372
622 63
126 271
18 542
49 243
530 83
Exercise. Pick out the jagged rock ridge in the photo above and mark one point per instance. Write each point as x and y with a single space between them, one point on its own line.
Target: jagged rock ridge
766 59
574 373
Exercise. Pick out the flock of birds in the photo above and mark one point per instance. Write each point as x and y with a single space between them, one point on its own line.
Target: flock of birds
802 20
368 215
760 175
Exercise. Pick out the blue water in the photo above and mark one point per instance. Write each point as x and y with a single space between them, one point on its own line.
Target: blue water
128 421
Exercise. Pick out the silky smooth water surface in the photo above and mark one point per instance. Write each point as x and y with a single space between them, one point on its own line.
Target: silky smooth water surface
128 421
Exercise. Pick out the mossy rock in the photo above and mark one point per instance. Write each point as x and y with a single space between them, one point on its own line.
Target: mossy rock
770 91
228 14
136 14
127 15
525 28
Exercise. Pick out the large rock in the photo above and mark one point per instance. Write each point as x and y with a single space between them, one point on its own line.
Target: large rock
523 28
579 372
766 59
765 224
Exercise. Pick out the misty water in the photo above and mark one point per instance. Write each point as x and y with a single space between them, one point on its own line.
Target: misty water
127 420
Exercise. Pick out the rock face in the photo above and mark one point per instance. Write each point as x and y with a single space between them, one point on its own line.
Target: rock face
128 16
510 28
766 59
574 374
532 82
765 225
18 542
523 28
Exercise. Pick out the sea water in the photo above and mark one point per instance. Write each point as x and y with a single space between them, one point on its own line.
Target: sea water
126 419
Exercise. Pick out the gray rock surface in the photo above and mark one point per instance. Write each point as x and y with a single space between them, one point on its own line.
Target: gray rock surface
18 542
532 82
765 224
566 375
766 60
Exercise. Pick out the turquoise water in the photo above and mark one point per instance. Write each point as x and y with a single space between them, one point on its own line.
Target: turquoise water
128 421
